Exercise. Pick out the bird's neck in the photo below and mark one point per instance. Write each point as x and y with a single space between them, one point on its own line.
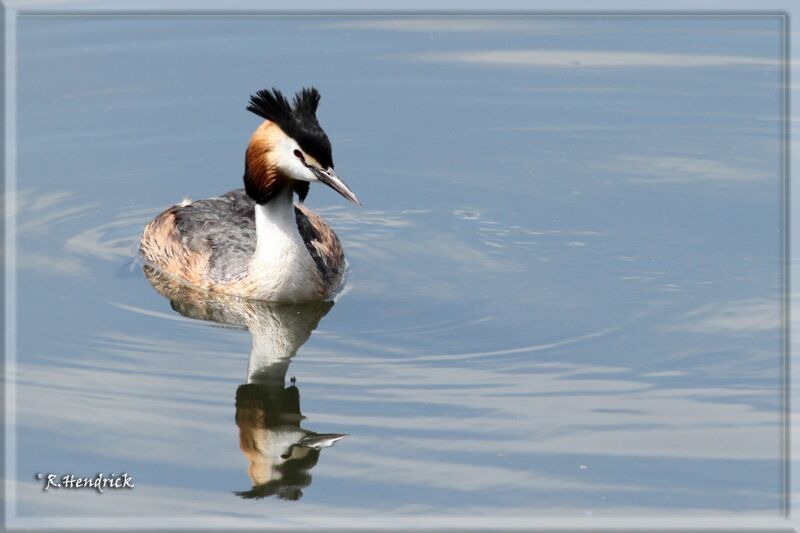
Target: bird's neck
276 227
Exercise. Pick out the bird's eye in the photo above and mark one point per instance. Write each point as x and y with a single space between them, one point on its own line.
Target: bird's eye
299 155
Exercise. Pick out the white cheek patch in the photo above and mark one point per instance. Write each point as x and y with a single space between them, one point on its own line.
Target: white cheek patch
289 163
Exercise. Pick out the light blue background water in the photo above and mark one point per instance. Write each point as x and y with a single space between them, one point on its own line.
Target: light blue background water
565 280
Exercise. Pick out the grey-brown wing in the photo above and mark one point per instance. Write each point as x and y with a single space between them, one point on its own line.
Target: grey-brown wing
322 243
223 227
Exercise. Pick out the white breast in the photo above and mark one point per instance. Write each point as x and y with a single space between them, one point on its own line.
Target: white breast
281 268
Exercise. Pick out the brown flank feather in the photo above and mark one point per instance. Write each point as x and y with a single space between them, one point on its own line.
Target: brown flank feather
161 245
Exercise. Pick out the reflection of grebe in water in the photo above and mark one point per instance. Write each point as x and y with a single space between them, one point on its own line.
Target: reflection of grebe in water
280 453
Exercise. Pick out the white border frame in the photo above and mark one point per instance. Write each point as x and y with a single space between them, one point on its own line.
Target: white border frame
787 522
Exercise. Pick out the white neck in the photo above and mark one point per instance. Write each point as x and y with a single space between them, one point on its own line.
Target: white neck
275 223
281 262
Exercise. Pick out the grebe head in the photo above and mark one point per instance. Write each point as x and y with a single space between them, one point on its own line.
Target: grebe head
290 148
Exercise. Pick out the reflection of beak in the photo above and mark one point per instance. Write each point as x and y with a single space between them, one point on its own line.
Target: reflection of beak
329 178
315 441
321 440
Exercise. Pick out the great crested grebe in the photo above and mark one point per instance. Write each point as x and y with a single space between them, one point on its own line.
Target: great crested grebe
255 242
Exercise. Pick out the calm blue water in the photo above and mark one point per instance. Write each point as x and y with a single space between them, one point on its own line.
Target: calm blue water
565 283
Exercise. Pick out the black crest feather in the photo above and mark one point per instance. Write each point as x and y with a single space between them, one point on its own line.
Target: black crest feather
298 120
271 105
306 102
